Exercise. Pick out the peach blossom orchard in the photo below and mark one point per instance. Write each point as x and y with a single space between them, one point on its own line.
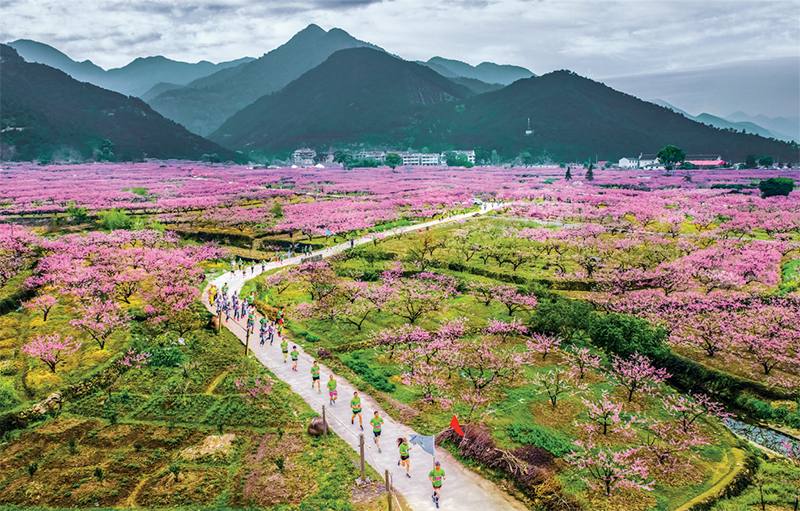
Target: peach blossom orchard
601 338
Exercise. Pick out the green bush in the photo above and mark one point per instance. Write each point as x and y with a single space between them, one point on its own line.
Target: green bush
776 186
115 219
8 394
757 408
165 357
557 443
625 335
365 372
561 316
793 419
312 337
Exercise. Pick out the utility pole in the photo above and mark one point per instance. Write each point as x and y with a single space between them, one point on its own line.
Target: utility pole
388 490
361 447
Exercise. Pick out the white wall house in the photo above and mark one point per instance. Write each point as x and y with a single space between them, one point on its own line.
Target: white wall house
372 155
629 163
427 159
304 156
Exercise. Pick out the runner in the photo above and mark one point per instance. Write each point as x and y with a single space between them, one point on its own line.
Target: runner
402 444
332 394
376 422
271 331
263 330
284 349
237 314
437 478
315 377
355 404
295 355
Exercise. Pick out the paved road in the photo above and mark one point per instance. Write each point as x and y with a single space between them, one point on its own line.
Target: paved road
462 489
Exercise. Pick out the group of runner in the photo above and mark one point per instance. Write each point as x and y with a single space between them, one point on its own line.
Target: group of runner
268 330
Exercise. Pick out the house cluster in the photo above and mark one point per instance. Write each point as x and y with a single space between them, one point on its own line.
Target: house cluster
650 161
306 157
427 159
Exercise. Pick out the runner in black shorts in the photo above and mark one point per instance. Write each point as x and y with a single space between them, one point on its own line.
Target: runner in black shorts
377 422
402 444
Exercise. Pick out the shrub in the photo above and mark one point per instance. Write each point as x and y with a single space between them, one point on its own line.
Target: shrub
553 441
115 219
793 419
561 316
8 394
165 357
625 335
365 372
776 186
312 337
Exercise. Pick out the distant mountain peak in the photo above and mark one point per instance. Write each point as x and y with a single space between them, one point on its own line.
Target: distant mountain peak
488 72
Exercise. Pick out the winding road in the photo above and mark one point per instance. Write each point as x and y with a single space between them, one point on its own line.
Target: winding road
462 489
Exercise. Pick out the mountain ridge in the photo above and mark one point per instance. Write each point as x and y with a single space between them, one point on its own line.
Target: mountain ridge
133 79
205 104
369 83
46 112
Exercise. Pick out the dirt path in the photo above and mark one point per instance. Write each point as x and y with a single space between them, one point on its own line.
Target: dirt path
462 489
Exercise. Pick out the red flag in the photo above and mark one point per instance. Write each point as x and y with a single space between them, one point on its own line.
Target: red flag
456 426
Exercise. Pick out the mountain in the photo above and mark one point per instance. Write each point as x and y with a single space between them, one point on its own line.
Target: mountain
661 102
157 89
766 87
787 128
719 122
43 110
143 73
371 97
476 86
356 94
487 72
133 79
33 51
739 121
205 104
574 118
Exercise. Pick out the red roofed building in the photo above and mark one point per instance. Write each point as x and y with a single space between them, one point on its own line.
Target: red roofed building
705 161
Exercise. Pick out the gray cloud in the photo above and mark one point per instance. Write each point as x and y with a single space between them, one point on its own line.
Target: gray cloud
597 39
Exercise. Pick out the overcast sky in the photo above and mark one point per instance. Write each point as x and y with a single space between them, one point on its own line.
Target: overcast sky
595 38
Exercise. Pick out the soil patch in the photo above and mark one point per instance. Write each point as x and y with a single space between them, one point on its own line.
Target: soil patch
563 414
262 449
214 446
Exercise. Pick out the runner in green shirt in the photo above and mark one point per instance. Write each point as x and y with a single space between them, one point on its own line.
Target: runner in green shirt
376 429
332 394
437 478
355 404
402 444
315 377
295 354
284 349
